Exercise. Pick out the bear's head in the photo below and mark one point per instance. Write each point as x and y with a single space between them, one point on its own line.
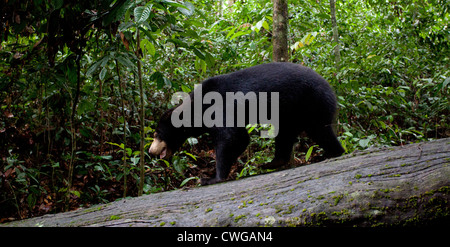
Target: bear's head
167 138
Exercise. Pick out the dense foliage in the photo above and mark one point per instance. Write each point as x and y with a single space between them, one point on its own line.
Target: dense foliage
69 91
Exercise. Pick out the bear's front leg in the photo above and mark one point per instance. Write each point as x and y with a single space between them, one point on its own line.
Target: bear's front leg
223 165
230 143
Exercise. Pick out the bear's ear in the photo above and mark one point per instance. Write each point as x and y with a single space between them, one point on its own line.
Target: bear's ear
167 114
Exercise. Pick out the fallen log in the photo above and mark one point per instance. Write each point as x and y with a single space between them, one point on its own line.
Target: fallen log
408 185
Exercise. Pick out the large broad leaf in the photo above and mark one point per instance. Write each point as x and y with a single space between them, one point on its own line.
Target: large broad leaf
141 13
93 68
240 33
148 47
85 106
188 9
124 60
309 38
200 65
160 80
261 24
103 73
209 59
178 42
173 3
306 40
198 53
445 83
231 32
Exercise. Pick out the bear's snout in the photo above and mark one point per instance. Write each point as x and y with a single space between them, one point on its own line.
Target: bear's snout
160 148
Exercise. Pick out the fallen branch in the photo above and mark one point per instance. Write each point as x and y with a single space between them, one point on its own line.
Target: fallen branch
407 185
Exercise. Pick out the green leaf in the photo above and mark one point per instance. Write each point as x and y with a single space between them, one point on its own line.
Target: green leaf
71 74
125 25
200 65
240 33
261 24
308 154
195 23
125 61
203 65
258 26
309 38
75 193
190 33
121 145
364 143
103 73
31 199
446 82
199 54
165 162
93 68
324 16
106 58
138 14
266 25
167 82
297 45
129 151
230 32
107 157
160 79
85 106
192 141
209 59
191 155
185 88
141 13
251 127
146 45
306 40
187 9
147 33
187 180
179 42
175 4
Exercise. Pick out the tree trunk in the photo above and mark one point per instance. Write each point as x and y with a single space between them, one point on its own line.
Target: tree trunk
397 186
141 117
280 29
73 127
337 54
122 103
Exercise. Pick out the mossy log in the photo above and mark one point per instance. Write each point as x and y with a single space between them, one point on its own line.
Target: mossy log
408 185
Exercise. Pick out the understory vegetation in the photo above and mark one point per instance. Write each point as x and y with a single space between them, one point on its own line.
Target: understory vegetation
71 74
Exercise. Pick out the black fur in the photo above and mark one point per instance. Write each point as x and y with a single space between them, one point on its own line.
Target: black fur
307 103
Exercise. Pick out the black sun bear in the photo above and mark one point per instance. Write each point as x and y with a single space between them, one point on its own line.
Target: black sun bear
291 97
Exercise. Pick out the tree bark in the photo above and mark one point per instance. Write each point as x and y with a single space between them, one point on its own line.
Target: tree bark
398 186
280 29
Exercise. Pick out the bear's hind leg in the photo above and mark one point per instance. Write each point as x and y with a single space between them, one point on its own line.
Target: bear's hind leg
327 140
283 151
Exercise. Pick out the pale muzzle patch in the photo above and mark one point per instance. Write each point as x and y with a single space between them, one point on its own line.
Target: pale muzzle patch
160 148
